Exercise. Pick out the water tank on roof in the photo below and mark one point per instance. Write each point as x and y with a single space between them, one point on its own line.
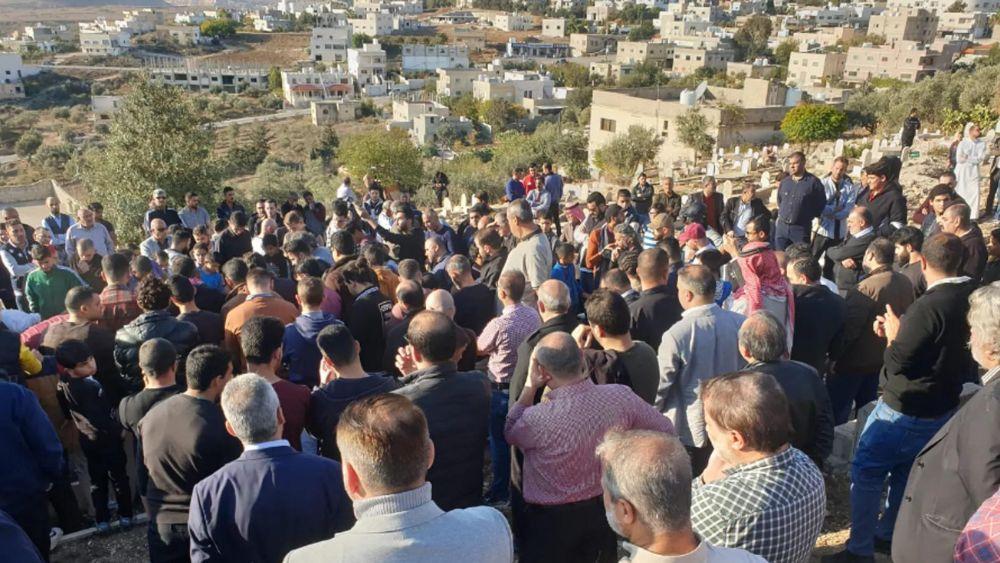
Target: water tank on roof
688 98
793 96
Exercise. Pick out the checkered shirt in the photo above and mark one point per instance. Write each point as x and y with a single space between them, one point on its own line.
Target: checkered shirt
980 540
502 336
773 507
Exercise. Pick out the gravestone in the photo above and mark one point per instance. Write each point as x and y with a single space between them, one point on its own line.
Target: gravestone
727 189
765 180
745 167
448 207
866 157
785 147
712 169
838 148
736 150
856 172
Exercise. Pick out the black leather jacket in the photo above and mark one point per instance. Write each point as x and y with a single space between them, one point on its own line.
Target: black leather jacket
154 324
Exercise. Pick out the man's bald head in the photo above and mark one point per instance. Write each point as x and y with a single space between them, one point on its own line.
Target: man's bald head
560 356
553 297
440 301
158 226
432 336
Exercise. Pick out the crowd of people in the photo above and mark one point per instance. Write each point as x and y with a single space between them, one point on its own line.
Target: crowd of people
365 382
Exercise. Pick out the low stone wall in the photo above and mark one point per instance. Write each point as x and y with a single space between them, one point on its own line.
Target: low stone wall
13 195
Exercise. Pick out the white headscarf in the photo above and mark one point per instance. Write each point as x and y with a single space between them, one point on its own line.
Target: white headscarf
968 128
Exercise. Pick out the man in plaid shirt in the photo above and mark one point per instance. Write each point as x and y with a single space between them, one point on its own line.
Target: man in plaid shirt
758 493
118 306
500 340
980 540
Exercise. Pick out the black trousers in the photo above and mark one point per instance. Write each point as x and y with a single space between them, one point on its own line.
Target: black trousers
168 543
991 197
572 533
820 245
106 463
33 518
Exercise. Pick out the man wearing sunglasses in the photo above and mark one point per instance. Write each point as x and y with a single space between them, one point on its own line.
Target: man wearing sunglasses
159 210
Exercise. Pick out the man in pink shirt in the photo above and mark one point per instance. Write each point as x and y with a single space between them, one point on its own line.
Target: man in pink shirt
500 339
564 516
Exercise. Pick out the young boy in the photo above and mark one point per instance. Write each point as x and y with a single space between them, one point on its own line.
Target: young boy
208 270
83 399
47 286
87 264
565 271
277 264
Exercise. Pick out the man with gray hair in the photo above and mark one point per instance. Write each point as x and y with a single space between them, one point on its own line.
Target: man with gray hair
500 341
957 470
270 500
763 346
387 446
475 303
533 254
698 347
564 519
646 477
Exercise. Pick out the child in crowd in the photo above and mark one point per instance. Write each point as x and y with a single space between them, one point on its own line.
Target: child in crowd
87 264
162 265
202 235
565 271
43 236
208 270
84 400
277 264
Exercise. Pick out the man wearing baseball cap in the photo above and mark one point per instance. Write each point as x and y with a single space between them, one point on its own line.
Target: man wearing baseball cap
158 210
695 241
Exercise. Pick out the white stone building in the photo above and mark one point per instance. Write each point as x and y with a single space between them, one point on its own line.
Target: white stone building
418 57
104 43
299 88
11 74
330 44
513 22
367 64
373 24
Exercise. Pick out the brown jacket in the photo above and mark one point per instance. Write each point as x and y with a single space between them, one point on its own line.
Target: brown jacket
259 306
862 351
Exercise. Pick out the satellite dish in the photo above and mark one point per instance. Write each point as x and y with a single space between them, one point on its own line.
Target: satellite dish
700 90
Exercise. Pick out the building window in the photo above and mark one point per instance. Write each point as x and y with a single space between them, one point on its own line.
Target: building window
608 125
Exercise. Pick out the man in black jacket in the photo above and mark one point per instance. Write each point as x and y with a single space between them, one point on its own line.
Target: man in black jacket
711 201
957 470
762 344
926 362
739 209
848 255
457 406
657 308
957 221
493 254
883 196
819 315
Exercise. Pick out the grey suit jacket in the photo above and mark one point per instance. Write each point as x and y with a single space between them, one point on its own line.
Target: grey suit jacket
703 344
409 528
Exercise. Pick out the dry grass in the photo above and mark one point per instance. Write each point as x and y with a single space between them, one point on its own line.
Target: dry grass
264 49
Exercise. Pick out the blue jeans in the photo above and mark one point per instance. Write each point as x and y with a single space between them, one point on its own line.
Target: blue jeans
499 450
786 235
889 443
849 392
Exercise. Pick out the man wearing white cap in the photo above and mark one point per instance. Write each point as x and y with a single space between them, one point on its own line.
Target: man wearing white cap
158 210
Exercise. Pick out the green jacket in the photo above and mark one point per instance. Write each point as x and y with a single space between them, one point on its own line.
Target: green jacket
46 293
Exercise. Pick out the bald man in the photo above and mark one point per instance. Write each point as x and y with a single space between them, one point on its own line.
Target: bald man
848 255
457 407
442 302
158 241
11 214
564 514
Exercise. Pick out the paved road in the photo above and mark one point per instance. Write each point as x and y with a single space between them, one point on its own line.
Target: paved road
283 114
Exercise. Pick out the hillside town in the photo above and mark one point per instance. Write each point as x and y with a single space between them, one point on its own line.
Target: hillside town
499 280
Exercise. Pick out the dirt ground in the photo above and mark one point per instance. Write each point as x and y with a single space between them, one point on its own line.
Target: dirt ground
264 49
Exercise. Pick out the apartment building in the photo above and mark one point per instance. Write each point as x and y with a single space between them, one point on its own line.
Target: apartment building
459 81
328 112
908 61
964 25
554 27
815 68
187 35
231 79
372 24
762 104
909 25
104 43
673 25
689 59
513 22
584 44
367 64
529 49
11 74
513 86
300 88
827 37
329 44
418 57
941 6
641 52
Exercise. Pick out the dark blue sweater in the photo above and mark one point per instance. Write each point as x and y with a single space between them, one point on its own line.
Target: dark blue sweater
30 452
